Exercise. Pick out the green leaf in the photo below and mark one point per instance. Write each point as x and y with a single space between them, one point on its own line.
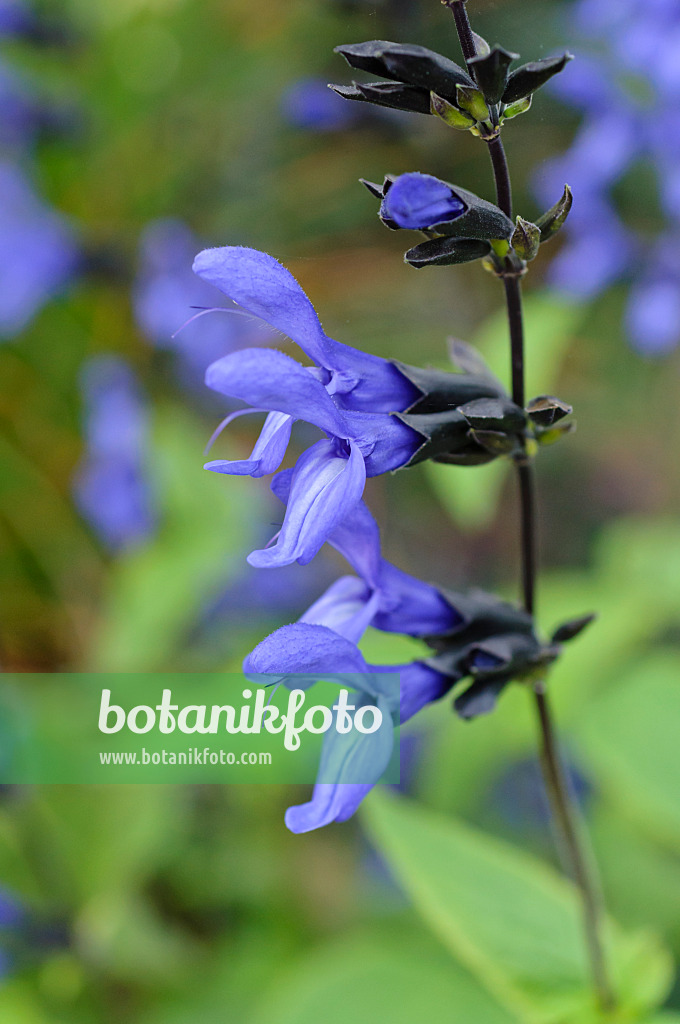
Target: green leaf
20 1004
630 734
397 975
511 919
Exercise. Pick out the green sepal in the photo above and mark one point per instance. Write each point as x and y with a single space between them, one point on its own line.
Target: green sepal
500 246
518 107
570 629
549 435
472 100
526 239
551 221
446 251
491 72
532 76
495 442
546 410
449 114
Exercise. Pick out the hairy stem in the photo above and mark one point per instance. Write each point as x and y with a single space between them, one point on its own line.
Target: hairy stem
569 831
501 175
463 28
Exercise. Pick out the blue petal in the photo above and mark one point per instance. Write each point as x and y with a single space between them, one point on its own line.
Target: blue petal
420 201
411 606
267 454
281 483
357 538
386 442
345 759
348 607
329 803
367 383
263 287
268 379
419 685
305 649
325 487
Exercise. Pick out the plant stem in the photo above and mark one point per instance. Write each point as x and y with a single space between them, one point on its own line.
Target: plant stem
574 846
501 175
571 840
463 28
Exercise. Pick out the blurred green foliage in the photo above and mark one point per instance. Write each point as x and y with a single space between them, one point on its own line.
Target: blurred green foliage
156 905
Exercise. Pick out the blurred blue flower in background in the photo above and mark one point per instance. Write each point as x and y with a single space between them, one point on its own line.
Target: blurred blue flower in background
19 112
16 18
38 251
309 104
168 295
111 485
518 794
12 919
635 77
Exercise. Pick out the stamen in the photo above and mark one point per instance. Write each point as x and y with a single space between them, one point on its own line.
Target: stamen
208 309
271 696
225 423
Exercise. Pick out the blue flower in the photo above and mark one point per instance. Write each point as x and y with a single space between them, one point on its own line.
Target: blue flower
111 485
472 636
349 395
38 252
418 201
313 649
325 640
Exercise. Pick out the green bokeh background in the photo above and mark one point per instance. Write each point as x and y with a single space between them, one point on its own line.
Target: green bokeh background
169 905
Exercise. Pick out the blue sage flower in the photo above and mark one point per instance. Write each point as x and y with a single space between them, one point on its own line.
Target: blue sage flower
472 636
314 650
111 486
349 395
419 201
460 226
377 415
324 640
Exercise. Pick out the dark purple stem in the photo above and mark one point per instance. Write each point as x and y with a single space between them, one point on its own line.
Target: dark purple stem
569 829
